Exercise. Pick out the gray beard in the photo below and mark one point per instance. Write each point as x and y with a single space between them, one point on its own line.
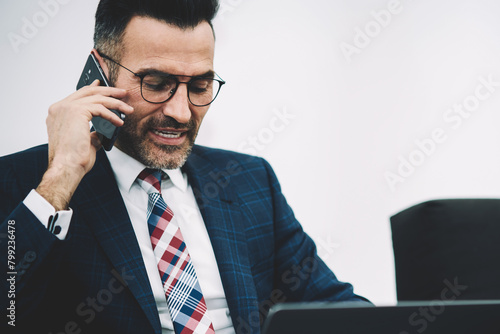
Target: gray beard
138 147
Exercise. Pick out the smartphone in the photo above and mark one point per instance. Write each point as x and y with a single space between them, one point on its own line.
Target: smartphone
106 131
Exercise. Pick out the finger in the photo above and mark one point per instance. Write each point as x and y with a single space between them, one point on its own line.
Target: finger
111 103
103 112
95 89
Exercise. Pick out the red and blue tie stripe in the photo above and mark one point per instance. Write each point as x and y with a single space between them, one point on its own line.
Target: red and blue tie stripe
185 300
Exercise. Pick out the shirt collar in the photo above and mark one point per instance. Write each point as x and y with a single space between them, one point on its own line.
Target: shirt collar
126 170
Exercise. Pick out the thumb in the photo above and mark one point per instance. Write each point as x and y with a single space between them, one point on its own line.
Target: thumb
95 83
95 141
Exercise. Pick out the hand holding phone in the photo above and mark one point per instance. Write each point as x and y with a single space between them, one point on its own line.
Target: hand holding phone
106 131
72 147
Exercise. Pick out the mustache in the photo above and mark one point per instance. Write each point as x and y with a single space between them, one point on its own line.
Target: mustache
169 122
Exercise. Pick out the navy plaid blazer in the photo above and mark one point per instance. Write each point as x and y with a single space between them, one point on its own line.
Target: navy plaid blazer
95 280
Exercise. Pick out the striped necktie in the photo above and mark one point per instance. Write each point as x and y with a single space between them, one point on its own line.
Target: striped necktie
185 300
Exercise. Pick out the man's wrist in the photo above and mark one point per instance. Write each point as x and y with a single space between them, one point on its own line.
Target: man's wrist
58 186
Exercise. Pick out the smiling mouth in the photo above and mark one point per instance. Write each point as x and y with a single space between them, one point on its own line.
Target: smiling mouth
168 134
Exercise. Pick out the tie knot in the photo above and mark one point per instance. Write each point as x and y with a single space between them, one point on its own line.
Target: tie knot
150 180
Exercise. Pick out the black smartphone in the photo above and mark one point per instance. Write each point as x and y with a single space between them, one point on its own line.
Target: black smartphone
106 131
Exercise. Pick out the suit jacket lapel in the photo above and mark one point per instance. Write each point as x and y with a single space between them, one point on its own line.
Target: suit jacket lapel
99 203
219 206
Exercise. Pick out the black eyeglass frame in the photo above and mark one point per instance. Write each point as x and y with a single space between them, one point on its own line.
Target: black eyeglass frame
177 83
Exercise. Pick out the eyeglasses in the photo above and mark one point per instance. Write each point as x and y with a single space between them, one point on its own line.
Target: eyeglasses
158 87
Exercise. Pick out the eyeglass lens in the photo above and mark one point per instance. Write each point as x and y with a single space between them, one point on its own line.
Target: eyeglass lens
158 88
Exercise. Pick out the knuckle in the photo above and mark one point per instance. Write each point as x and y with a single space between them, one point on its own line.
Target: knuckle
53 109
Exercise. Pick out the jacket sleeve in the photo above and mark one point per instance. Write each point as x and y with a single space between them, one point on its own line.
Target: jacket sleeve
28 249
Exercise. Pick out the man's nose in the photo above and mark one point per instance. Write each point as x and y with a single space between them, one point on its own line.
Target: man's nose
178 105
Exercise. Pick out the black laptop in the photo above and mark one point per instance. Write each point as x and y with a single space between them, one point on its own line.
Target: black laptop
434 317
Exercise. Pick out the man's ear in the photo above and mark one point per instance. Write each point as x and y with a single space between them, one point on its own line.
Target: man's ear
101 61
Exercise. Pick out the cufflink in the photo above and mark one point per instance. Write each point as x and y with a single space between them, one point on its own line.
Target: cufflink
57 230
51 225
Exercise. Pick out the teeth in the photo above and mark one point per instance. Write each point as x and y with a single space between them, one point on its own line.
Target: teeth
168 134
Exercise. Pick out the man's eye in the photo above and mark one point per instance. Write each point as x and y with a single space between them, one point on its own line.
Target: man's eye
200 85
156 82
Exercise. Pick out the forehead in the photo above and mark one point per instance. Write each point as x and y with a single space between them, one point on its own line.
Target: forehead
152 44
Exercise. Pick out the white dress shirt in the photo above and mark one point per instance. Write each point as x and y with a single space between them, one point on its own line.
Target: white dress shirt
179 196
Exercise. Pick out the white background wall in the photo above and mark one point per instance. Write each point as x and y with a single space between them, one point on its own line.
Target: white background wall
351 119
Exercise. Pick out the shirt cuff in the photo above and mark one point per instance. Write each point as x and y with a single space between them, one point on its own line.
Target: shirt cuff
55 222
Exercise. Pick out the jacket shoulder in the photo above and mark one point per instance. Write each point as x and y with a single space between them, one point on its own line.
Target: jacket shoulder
220 158
37 153
25 168
244 170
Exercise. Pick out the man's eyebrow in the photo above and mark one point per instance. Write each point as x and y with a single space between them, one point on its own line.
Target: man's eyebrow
146 71
208 74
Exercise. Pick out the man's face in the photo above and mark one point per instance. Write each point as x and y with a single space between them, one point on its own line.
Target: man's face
162 135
